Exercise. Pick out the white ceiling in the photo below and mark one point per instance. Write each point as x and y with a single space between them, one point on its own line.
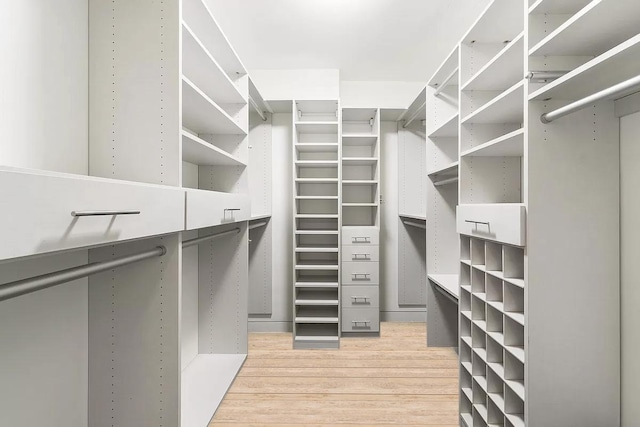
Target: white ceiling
389 40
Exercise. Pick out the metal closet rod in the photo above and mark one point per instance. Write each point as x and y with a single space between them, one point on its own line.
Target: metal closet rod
542 76
446 181
199 240
445 82
611 92
414 224
414 115
257 225
255 107
33 284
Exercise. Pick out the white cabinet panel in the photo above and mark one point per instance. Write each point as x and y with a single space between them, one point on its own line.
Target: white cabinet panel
211 208
503 223
360 320
360 296
360 253
36 211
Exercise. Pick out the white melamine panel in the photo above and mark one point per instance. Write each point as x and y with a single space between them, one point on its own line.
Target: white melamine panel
412 174
360 235
44 102
42 203
360 296
630 251
360 253
360 273
189 308
44 355
361 320
207 208
260 165
504 223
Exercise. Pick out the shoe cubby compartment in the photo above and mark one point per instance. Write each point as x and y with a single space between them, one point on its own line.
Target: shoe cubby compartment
465 350
319 331
465 276
478 337
465 327
513 405
466 395
495 355
478 309
493 254
513 262
477 252
495 417
316 296
494 290
316 313
479 401
478 281
494 320
318 224
514 301
465 248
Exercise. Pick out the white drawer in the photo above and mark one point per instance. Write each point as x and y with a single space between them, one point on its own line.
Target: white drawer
360 273
211 208
36 211
361 320
360 235
503 223
360 296
360 253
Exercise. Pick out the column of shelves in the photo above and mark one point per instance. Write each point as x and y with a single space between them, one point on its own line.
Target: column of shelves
317 195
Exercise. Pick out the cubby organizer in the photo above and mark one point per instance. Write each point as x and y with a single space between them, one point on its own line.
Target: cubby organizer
317 171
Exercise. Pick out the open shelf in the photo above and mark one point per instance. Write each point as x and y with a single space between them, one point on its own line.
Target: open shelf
448 282
203 70
199 18
503 70
353 205
354 140
409 216
448 170
201 395
203 116
508 107
449 129
317 127
316 180
509 145
589 31
200 152
614 66
448 66
500 21
359 182
359 161
320 147
317 163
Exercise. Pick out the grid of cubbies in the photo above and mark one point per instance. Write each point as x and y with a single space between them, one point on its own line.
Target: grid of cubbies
492 333
317 195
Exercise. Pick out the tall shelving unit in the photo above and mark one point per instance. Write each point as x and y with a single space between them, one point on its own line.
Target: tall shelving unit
360 210
442 157
317 224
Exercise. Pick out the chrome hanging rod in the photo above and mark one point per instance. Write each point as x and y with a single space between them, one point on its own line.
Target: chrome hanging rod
414 224
258 225
446 181
199 240
445 293
445 82
26 286
255 107
414 115
608 93
544 76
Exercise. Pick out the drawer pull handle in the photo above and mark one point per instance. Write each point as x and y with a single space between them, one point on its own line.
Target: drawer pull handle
477 222
363 323
104 213
360 276
359 300
361 240
360 256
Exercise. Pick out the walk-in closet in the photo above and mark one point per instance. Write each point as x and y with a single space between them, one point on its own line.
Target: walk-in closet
319 212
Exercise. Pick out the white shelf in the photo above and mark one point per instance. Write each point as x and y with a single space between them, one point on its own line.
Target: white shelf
612 67
354 205
448 170
325 302
500 275
509 145
316 267
203 116
316 180
326 285
449 129
502 20
517 387
359 182
316 197
448 282
359 161
508 107
516 420
517 317
555 7
317 147
317 127
467 419
317 338
410 216
202 69
594 29
448 66
205 382
317 232
200 152
259 217
200 19
517 352
317 163
481 409
503 69
317 249
359 139
316 216
316 319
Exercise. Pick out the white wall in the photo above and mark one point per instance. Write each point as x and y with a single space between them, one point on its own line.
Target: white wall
297 84
379 94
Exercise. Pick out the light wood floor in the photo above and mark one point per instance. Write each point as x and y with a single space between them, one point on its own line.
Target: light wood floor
391 380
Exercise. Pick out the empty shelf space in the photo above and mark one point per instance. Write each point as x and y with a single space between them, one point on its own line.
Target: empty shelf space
449 129
320 338
317 216
508 107
320 147
501 20
203 70
316 197
594 29
614 66
448 67
509 145
203 116
505 68
355 140
200 152
318 265
317 127
200 396
359 161
317 163
319 284
448 170
353 205
448 282
316 180
317 232
317 248
410 216
513 281
517 386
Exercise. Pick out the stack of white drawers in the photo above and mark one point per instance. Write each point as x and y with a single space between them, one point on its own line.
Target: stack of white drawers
360 280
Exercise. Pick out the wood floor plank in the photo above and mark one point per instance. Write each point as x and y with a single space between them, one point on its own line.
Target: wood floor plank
256 362
352 372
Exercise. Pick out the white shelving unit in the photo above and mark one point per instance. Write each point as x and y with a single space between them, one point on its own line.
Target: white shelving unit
317 223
